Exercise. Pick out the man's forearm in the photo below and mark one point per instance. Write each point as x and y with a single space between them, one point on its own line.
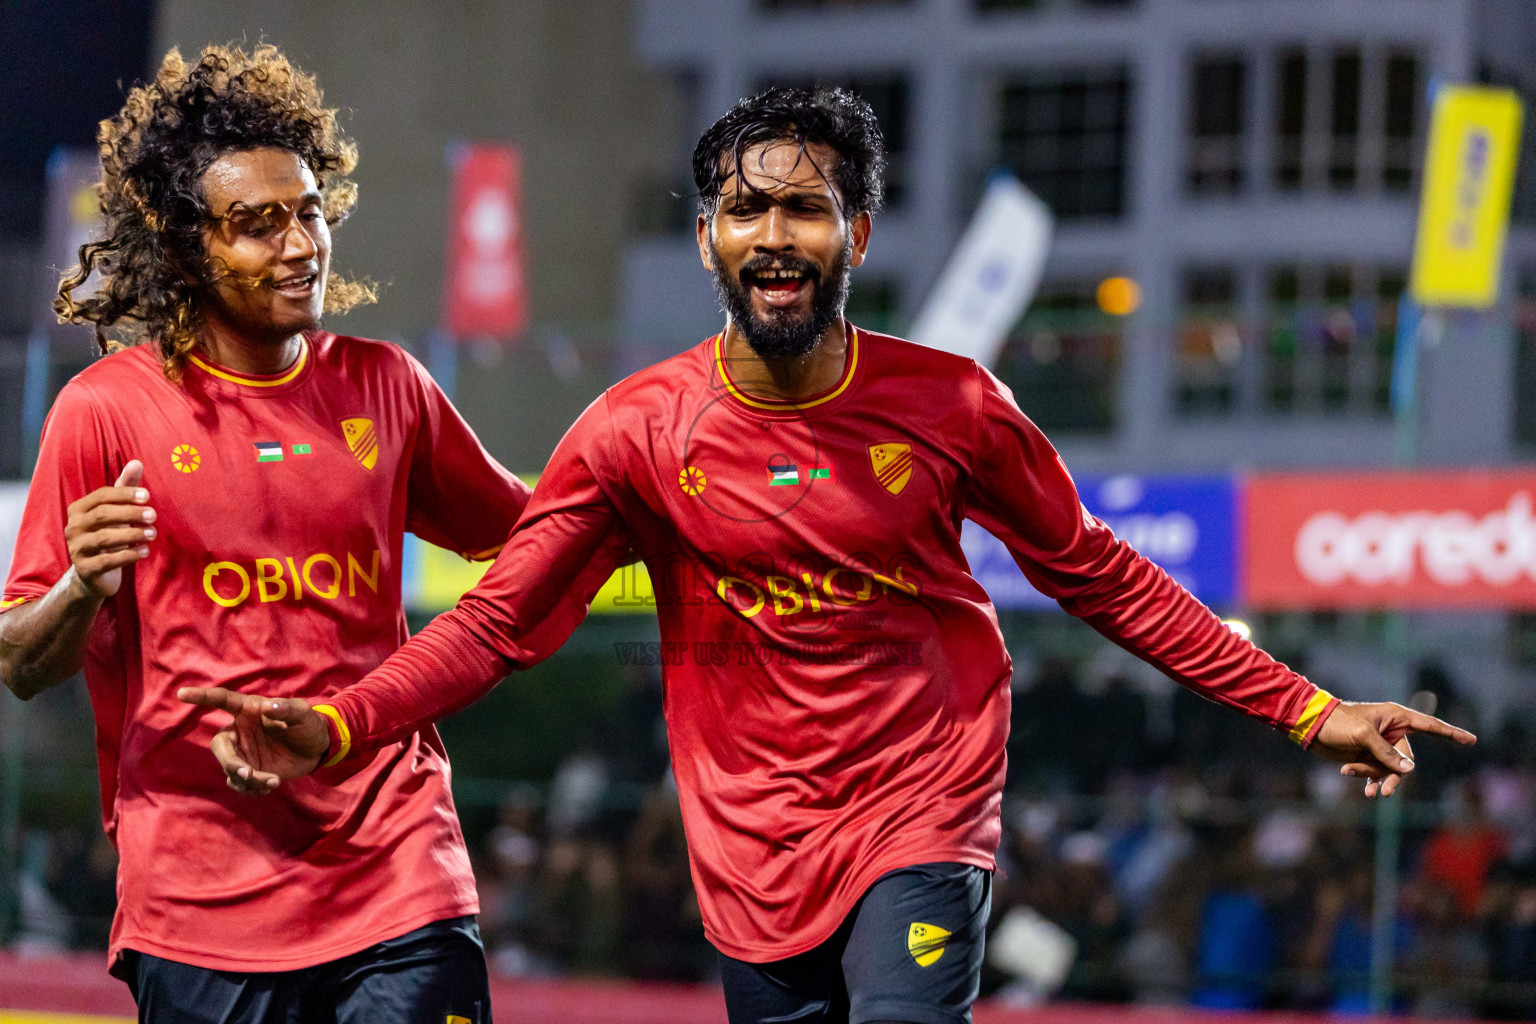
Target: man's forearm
42 642
1142 609
439 671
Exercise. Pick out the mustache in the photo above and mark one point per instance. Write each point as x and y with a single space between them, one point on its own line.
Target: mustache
764 263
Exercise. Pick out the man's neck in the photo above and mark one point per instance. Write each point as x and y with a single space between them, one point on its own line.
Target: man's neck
787 380
243 353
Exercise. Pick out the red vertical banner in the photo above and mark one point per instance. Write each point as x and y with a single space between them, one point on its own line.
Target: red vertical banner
484 287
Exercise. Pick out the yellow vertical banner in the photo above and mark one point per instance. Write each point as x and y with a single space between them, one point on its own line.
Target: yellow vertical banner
1469 177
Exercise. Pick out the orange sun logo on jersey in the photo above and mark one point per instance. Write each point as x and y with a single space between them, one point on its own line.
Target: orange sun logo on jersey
691 480
892 463
185 458
362 440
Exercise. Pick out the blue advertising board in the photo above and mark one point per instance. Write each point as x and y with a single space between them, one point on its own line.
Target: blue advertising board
1186 524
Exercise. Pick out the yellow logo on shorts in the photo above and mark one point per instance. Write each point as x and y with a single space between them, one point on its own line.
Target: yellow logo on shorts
459 1020
926 943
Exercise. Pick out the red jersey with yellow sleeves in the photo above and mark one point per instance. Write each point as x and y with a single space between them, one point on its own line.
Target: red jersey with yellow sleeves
837 688
282 503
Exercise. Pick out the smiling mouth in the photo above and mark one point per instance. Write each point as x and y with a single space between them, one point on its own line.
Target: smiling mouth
781 288
296 287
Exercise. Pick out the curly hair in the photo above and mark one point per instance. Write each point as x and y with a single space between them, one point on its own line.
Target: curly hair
153 261
832 116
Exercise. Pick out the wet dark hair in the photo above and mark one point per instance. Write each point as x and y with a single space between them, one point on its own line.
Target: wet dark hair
152 261
832 116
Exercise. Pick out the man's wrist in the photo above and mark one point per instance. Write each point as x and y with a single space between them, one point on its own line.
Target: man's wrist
79 591
340 735
1317 709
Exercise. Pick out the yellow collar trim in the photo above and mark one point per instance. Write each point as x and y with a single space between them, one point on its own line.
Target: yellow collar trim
853 362
235 378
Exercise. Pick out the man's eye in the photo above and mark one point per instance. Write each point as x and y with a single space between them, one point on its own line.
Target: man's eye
310 215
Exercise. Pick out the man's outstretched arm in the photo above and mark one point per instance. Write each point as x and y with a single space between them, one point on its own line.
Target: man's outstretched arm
1022 493
567 544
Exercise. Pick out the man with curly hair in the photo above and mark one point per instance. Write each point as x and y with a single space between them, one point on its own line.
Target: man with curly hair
838 690
222 500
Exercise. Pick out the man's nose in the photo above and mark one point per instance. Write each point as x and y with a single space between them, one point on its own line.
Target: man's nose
776 234
298 244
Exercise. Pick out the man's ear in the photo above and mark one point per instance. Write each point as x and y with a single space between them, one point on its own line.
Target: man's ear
702 229
861 226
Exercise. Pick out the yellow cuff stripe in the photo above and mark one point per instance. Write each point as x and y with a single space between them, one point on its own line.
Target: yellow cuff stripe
12 602
342 731
1309 714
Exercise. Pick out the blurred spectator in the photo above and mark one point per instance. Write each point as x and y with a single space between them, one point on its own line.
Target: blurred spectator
663 932
1237 936
1445 959
1460 852
506 882
576 795
1511 931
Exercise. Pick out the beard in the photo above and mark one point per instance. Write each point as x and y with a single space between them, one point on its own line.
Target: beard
783 333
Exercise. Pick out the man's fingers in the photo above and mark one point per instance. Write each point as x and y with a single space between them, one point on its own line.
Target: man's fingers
108 497
131 475
239 773
288 710
112 539
213 697
112 514
1419 722
1385 753
226 749
91 568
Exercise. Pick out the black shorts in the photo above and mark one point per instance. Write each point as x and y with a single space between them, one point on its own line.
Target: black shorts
909 951
431 975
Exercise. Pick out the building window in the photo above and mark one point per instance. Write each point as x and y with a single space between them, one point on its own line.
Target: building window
1329 336
889 96
1210 343
1216 125
1064 135
1333 133
1062 360
1402 117
1290 119
1344 122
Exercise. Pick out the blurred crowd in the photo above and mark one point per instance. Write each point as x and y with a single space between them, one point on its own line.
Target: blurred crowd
1155 851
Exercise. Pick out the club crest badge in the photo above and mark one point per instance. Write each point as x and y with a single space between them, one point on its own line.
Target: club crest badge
892 463
362 440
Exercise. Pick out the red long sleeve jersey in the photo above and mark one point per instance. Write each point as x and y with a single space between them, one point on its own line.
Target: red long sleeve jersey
837 689
281 504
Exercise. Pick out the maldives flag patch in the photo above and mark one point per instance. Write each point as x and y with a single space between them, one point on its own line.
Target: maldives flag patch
783 473
302 450
268 451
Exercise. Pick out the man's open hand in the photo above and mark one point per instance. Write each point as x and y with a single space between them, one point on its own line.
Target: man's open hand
270 739
1371 741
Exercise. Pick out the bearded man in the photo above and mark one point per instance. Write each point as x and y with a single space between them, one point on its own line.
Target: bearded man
838 715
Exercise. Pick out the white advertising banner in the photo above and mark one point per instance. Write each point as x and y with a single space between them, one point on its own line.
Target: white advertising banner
13 498
991 276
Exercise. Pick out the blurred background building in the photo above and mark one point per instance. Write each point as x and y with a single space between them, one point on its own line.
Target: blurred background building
1252 166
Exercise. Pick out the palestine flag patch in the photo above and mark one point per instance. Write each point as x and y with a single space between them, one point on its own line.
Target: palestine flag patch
268 451
783 473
